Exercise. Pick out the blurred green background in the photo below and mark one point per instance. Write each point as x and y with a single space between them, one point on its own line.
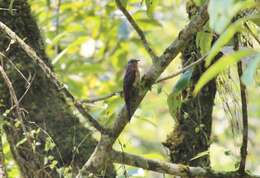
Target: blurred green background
89 43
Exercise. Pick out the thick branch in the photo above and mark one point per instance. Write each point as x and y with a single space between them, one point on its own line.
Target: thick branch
171 168
99 156
137 29
30 52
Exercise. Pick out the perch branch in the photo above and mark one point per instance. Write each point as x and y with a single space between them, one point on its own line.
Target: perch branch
31 53
137 29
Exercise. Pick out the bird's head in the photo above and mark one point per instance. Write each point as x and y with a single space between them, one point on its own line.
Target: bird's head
133 62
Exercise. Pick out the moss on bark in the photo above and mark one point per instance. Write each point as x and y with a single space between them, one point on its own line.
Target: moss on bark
192 130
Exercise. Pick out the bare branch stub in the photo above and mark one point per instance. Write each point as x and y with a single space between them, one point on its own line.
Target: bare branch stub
138 30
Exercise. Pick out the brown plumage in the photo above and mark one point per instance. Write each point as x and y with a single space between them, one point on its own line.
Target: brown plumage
131 82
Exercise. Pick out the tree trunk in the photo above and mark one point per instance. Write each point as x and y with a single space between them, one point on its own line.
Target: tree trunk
46 111
192 130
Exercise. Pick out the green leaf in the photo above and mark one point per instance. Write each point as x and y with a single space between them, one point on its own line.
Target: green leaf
203 41
150 5
184 81
257 19
199 2
159 89
248 76
11 7
227 36
221 12
53 164
223 40
21 142
201 154
174 103
124 2
49 144
222 64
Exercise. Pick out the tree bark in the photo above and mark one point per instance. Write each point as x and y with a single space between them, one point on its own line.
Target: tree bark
192 130
45 109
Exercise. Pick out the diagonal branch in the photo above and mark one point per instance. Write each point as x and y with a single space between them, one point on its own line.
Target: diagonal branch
30 52
99 157
137 29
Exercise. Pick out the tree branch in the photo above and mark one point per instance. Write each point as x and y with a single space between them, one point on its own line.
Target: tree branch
137 29
31 53
99 157
171 168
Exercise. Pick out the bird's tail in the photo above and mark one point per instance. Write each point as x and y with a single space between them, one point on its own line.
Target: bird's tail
129 111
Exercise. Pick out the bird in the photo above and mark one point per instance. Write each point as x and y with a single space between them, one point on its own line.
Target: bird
131 85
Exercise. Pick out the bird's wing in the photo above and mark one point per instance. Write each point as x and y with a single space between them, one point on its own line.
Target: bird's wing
129 78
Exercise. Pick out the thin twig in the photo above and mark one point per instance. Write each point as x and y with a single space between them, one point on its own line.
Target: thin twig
26 91
184 69
29 81
138 30
93 100
15 67
14 99
252 33
243 148
60 86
